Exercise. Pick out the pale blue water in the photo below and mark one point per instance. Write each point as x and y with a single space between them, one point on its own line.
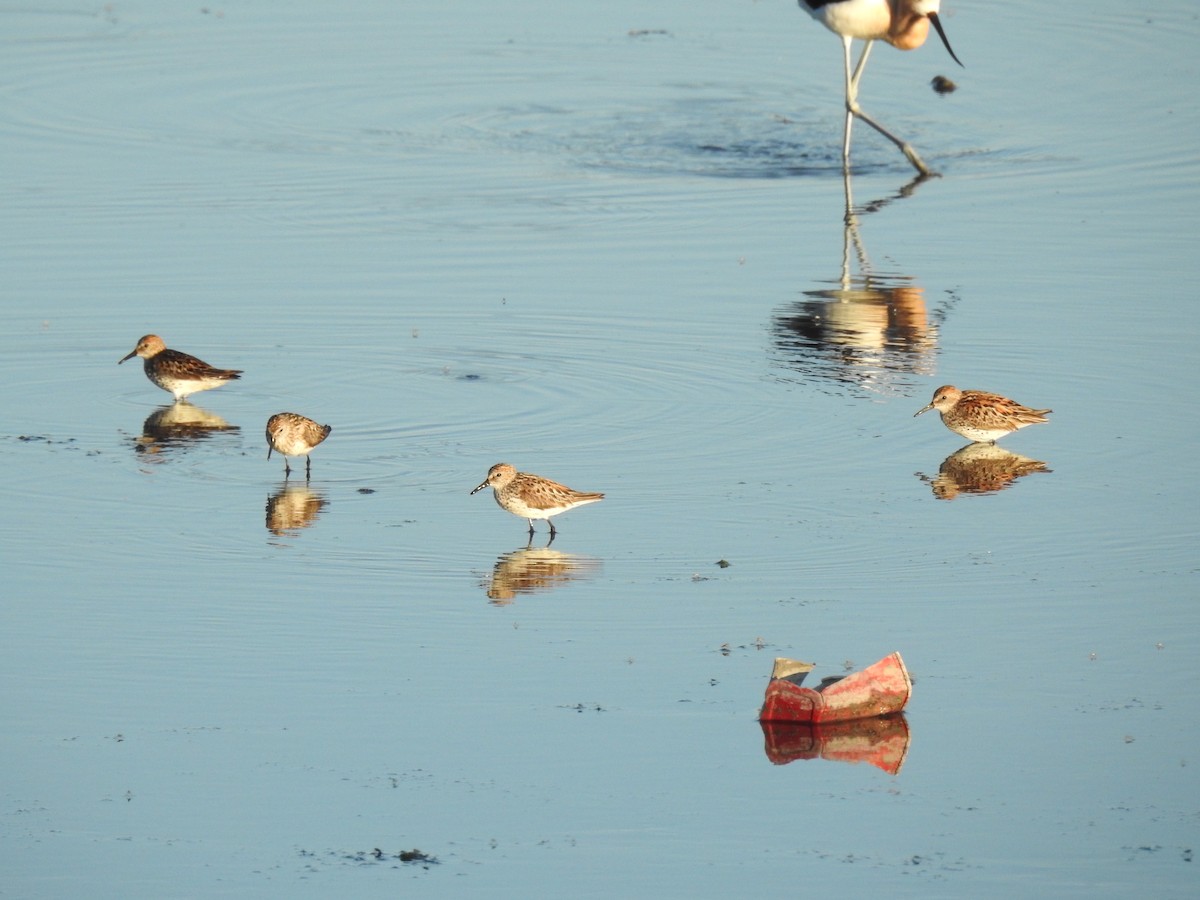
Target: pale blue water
603 242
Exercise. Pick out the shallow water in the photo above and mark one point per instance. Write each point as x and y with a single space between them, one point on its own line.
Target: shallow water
605 243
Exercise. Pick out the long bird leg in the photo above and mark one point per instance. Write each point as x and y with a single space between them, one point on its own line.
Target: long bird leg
858 69
853 109
851 95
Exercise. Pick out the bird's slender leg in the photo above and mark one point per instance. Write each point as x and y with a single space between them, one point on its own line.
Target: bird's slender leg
858 69
287 470
550 522
530 529
853 109
851 101
307 468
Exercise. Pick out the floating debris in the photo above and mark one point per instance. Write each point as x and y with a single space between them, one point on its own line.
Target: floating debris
878 690
943 85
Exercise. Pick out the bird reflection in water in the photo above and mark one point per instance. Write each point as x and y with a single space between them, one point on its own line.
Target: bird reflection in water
178 426
292 508
871 331
980 469
532 570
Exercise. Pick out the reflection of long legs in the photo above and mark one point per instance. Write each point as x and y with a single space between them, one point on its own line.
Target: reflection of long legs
850 226
851 235
850 231
853 109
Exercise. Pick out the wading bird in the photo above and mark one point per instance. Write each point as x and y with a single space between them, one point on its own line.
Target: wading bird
902 23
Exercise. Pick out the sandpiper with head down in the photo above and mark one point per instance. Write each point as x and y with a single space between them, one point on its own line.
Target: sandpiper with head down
179 373
531 496
979 416
290 434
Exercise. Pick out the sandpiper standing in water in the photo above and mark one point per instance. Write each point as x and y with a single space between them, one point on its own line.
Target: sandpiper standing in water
532 496
979 416
290 434
179 373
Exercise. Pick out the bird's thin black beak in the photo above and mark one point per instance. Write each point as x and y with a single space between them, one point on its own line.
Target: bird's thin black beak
937 24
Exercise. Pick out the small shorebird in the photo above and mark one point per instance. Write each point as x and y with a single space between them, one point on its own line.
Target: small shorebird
979 416
532 496
179 373
902 23
289 434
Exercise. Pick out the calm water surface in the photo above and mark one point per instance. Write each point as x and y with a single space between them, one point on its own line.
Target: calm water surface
606 243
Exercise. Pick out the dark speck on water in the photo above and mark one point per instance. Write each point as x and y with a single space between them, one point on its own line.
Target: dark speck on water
943 85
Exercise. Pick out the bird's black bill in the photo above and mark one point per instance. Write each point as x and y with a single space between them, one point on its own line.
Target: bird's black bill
937 24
